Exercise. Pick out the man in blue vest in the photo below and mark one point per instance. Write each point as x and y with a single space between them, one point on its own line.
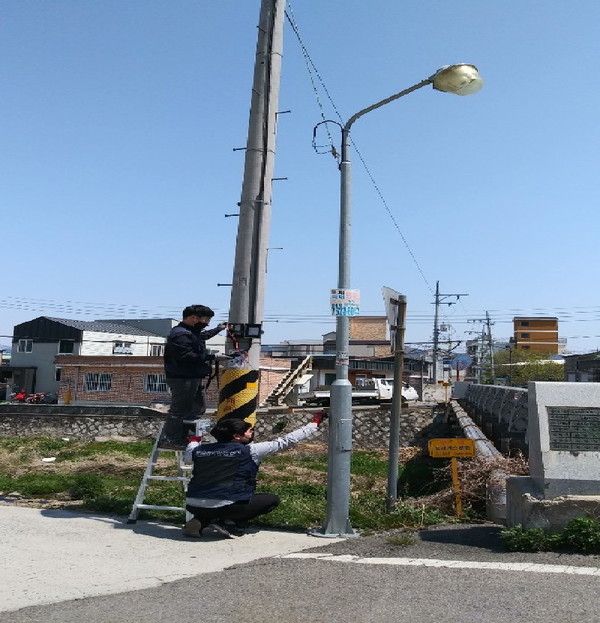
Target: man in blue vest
220 493
187 364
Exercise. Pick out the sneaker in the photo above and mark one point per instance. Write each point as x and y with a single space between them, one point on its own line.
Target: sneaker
233 527
229 530
193 528
167 444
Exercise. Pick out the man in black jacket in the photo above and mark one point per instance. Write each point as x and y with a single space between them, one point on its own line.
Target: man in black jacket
187 363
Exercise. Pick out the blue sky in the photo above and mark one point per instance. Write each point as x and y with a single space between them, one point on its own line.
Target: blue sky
119 120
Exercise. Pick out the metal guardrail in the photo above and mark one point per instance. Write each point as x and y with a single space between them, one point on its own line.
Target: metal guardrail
503 405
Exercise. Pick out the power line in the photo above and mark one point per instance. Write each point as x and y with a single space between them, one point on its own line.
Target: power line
310 64
574 314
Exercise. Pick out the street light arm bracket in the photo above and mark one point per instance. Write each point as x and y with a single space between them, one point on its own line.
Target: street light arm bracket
387 100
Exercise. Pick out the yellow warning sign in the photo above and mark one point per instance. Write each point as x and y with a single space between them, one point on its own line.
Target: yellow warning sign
446 448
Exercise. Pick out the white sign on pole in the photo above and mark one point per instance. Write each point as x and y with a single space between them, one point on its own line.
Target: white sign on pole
345 302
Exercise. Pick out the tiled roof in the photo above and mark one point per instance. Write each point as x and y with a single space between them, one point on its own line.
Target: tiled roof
102 327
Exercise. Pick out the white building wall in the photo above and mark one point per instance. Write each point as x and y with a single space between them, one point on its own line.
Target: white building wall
95 343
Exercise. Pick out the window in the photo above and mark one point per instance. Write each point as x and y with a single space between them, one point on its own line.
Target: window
123 348
155 384
97 382
25 346
57 374
525 336
157 350
66 347
524 323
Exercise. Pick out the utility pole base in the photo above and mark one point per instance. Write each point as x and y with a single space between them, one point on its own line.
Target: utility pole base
327 532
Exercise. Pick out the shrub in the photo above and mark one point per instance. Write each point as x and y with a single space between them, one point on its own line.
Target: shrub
583 535
519 539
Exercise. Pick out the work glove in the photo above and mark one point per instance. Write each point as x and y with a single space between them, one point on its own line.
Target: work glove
221 326
319 418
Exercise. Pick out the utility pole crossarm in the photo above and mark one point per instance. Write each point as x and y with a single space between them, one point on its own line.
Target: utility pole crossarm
440 299
486 337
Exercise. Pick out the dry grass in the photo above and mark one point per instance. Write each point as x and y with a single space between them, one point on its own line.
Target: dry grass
27 459
475 475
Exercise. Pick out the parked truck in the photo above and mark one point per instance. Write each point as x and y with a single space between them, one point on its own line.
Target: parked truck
366 391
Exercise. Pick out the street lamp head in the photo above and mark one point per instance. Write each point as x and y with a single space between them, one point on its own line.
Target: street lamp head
460 79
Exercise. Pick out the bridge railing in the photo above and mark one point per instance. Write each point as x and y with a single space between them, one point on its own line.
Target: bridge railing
498 404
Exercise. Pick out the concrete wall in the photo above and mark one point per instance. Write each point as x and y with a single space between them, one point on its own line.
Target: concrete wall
370 430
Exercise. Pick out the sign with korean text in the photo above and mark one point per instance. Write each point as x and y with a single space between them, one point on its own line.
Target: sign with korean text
345 302
574 429
448 448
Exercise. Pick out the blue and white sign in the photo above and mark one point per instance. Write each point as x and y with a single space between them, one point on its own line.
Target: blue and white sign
345 302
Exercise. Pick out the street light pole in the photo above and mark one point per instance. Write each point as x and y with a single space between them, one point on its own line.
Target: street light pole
461 80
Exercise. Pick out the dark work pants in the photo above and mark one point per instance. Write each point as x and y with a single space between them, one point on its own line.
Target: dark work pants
259 504
187 403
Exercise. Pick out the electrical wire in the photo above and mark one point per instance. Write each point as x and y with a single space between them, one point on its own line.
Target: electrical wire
120 310
311 64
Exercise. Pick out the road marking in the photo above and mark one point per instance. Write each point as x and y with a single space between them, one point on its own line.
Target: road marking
451 564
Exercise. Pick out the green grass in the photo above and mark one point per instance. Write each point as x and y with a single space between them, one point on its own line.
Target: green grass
369 463
104 477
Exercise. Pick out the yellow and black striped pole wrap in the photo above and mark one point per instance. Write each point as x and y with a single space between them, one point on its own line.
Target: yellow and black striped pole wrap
238 395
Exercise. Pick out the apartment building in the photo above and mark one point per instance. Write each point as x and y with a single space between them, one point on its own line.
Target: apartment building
538 334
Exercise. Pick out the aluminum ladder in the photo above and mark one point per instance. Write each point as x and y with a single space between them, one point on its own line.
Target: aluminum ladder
200 427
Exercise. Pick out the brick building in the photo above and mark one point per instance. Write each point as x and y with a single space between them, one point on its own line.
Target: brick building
368 337
138 380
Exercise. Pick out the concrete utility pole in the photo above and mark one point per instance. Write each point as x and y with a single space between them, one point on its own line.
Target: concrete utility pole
439 299
490 346
249 272
486 336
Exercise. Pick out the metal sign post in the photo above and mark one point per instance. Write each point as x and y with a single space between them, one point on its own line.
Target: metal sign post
453 448
395 304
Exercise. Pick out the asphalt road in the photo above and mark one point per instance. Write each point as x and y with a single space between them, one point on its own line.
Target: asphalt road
449 574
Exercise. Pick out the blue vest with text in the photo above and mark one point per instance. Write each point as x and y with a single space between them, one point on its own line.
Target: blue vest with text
223 471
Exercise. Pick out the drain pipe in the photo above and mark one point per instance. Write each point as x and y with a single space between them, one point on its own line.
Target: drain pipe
483 445
496 487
